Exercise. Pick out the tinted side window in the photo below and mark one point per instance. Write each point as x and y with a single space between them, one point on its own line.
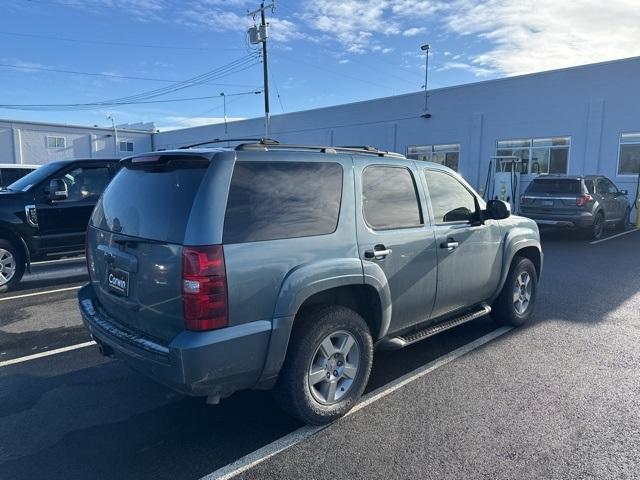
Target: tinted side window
86 182
275 200
605 186
390 198
450 200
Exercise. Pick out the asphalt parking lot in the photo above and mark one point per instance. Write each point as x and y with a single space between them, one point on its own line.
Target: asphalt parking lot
557 399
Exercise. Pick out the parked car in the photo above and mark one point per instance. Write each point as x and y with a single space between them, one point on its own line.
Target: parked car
44 214
274 266
590 203
10 172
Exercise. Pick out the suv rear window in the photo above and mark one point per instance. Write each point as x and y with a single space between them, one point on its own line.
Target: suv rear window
151 201
275 200
569 186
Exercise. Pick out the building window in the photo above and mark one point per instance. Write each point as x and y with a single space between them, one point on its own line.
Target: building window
56 142
537 155
629 156
445 154
126 146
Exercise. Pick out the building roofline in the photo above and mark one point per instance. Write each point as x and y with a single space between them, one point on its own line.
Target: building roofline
68 125
421 92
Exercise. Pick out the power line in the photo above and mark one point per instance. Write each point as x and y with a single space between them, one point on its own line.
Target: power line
116 44
109 75
89 106
236 66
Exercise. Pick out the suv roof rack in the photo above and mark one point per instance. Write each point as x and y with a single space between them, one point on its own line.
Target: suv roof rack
366 150
263 141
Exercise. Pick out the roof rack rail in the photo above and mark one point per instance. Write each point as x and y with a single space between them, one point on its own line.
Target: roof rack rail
263 141
323 149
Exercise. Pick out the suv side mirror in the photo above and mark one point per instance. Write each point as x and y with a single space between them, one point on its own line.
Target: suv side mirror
58 190
497 210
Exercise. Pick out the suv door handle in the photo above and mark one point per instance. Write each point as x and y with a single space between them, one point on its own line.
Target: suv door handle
378 252
450 244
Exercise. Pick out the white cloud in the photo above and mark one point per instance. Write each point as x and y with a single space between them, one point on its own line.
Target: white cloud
343 61
474 69
529 36
176 122
413 31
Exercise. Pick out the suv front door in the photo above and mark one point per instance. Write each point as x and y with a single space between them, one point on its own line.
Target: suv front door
469 253
62 223
395 238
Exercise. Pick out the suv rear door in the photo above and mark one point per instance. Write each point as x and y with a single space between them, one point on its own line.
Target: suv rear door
394 235
135 242
552 195
469 253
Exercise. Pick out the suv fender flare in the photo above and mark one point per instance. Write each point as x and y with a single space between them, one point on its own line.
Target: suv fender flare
299 285
516 240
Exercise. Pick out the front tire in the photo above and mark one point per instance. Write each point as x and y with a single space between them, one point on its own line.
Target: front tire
327 366
517 299
11 265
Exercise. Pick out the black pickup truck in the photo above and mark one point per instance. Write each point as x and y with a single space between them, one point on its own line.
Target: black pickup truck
44 214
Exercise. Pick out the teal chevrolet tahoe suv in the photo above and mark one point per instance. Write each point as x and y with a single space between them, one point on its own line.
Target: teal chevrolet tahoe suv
284 267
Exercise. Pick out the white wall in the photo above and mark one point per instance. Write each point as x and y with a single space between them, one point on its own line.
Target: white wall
22 142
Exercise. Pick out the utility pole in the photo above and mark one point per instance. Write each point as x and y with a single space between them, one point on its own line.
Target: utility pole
259 35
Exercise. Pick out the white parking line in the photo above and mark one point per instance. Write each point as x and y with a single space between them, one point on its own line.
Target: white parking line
252 459
613 236
4 299
45 354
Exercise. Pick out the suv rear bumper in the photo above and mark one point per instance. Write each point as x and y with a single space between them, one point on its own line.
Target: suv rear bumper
214 363
580 220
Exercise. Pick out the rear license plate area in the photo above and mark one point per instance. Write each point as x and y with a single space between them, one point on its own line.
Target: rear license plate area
547 203
118 281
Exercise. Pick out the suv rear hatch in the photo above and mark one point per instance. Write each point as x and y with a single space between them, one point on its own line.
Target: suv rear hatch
558 196
134 242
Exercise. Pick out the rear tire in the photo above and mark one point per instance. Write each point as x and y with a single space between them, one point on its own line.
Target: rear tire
517 299
625 221
11 265
327 365
597 229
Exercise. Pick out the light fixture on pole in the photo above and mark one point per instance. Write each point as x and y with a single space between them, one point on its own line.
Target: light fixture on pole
425 48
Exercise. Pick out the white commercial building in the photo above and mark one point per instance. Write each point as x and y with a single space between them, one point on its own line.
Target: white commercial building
39 143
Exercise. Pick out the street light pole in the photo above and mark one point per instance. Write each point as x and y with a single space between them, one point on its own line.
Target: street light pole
224 101
115 134
425 48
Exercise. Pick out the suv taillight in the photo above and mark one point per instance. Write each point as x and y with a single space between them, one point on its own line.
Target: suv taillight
204 288
523 199
583 199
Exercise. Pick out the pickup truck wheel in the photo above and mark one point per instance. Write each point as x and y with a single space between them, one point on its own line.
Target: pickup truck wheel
517 299
11 265
327 365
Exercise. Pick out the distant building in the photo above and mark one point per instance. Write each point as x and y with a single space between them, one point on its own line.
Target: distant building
39 143
578 120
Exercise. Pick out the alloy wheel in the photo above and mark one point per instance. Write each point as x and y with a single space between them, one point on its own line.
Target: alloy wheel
334 367
7 266
522 292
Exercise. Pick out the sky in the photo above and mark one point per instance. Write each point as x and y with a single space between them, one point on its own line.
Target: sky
321 52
